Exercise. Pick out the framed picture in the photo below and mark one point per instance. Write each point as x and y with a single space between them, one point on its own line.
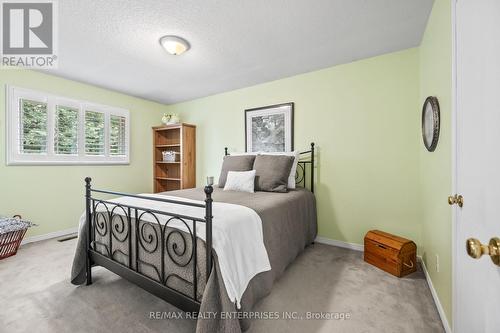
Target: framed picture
269 128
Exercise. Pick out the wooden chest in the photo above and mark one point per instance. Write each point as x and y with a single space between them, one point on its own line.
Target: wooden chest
393 254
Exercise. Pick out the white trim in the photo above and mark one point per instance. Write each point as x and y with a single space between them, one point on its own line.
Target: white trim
346 245
434 294
15 157
71 162
50 235
454 165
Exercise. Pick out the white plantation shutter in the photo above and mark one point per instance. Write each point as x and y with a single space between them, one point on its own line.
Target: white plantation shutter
48 129
117 135
66 131
94 133
32 127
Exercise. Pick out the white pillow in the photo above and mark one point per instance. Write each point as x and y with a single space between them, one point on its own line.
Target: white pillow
296 155
242 181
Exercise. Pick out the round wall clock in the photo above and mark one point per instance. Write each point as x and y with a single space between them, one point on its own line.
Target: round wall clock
430 123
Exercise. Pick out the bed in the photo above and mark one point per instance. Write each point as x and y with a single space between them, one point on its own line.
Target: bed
167 243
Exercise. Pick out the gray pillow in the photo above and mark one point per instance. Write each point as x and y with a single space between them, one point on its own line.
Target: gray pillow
235 163
272 172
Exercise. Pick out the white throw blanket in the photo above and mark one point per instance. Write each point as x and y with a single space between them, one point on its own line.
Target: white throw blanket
236 236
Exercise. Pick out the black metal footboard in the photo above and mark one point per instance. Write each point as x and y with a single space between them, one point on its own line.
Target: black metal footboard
144 247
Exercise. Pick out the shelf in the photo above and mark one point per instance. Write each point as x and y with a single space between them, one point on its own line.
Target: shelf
166 178
181 172
170 145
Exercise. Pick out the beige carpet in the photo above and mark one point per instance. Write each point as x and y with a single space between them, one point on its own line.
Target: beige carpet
36 296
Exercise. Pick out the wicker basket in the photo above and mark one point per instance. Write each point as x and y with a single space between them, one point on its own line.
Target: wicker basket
170 156
11 240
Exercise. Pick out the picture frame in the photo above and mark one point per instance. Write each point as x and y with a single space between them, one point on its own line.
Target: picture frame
269 128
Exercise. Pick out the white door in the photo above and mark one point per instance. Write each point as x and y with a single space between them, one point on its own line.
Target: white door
477 290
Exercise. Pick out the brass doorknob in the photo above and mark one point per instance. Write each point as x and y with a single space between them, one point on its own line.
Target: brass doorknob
456 199
475 249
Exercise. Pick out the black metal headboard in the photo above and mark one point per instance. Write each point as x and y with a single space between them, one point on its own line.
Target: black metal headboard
305 158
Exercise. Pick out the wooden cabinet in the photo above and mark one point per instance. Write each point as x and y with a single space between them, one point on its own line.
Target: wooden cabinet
181 173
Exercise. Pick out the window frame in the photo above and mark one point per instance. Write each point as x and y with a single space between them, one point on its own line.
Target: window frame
13 116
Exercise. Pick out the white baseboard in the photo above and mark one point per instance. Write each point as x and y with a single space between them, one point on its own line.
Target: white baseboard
359 247
50 235
351 246
439 307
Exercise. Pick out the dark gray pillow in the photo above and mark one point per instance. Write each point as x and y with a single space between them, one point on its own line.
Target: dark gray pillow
272 172
235 163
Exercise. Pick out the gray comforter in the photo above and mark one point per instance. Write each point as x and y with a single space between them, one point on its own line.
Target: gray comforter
289 225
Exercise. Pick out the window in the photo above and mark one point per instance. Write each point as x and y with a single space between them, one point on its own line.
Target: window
33 127
117 135
66 131
47 129
94 133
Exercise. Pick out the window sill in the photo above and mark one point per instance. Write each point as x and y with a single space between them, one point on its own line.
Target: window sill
54 163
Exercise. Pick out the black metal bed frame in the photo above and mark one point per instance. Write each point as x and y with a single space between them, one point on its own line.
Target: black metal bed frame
114 223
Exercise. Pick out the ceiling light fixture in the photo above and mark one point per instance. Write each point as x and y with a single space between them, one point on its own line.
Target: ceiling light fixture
174 45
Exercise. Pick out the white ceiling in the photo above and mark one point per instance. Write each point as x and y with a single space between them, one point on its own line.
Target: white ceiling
234 43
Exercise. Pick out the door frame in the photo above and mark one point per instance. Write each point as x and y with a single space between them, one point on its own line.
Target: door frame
454 164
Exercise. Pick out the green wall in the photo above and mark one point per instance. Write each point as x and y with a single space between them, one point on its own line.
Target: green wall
364 118
435 168
52 196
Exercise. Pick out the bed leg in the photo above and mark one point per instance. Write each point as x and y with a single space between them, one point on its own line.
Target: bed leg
89 228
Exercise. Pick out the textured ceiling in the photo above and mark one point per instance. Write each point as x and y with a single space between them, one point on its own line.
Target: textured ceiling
234 43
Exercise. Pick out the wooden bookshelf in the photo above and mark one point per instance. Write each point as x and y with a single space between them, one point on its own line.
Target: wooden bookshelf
181 174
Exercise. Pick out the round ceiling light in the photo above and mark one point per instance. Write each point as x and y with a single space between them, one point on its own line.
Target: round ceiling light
174 45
